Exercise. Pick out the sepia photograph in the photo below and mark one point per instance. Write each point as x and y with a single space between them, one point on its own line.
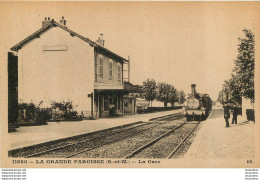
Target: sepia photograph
129 84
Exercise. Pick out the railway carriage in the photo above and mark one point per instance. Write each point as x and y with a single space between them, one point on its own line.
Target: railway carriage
198 105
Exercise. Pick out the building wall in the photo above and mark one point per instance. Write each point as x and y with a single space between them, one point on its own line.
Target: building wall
160 104
105 79
129 105
57 67
12 88
108 86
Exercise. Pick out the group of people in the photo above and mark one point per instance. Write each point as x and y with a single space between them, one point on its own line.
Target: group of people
227 111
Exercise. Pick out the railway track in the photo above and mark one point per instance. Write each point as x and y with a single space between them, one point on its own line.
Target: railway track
167 117
151 142
84 144
160 144
74 146
119 149
88 145
38 149
83 141
120 138
186 137
115 140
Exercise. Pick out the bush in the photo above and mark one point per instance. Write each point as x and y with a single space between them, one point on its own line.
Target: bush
29 114
64 111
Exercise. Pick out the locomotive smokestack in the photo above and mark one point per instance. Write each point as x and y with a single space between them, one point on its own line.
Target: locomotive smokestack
193 89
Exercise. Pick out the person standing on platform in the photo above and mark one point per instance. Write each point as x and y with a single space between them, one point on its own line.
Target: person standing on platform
235 113
226 114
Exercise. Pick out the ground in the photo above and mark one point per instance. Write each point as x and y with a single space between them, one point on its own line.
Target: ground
215 141
212 141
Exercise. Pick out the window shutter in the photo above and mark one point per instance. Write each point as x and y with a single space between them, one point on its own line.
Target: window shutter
110 67
101 67
119 73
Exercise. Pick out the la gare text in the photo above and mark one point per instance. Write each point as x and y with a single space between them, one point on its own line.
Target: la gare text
87 161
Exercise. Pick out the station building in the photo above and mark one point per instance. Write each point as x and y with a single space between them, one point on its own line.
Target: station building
58 64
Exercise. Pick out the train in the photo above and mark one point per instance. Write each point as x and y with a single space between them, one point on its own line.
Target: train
199 105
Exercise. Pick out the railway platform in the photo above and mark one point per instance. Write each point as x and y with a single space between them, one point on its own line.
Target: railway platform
215 141
31 135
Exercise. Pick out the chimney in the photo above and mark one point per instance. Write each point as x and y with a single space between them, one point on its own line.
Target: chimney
100 40
63 21
46 21
193 90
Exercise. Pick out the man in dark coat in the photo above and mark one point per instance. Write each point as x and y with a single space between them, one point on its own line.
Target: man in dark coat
235 113
226 114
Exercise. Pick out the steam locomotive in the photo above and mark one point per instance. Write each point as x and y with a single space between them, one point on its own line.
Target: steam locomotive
199 105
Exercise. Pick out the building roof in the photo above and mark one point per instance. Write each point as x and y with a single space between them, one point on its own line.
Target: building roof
133 88
53 24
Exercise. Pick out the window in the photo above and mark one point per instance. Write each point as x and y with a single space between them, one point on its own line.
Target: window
110 64
101 66
119 73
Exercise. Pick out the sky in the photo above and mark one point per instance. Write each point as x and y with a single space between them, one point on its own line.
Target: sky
180 43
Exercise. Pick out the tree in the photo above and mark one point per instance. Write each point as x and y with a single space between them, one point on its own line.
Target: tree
220 97
150 90
181 97
226 94
235 88
231 90
245 65
167 94
173 95
163 93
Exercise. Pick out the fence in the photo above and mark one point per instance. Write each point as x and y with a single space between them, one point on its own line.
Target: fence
157 109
